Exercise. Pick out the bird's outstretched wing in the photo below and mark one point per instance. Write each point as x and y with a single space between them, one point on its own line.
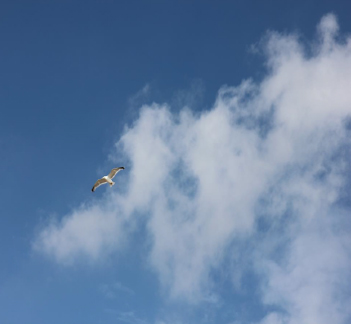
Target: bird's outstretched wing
114 172
98 183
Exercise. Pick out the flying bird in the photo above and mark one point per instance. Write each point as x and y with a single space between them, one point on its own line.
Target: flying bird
107 179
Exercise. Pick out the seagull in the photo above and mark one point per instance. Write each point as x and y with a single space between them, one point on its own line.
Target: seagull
107 179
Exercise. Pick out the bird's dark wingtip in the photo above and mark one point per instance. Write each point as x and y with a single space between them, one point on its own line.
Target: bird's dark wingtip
92 189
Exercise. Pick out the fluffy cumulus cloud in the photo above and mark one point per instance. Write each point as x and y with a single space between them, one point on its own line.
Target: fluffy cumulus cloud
268 166
88 233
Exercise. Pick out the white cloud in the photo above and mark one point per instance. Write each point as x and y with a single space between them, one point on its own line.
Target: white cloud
204 180
88 233
113 290
139 95
126 317
310 284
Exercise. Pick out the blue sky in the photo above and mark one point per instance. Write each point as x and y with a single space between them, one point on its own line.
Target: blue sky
233 121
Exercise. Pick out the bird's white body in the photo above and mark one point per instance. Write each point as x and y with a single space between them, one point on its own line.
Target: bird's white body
107 179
